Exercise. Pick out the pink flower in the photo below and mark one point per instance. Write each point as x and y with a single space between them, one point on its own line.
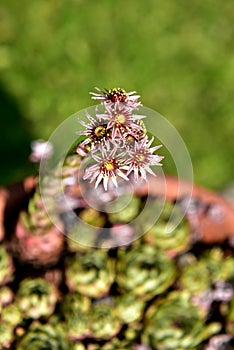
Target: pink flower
96 132
141 157
109 166
40 150
120 120
117 95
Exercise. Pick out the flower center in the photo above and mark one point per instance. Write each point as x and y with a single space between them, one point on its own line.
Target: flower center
140 158
108 165
120 118
130 139
100 131
117 95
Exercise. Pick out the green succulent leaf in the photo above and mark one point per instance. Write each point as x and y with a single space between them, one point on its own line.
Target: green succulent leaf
230 317
200 274
36 219
6 336
220 266
144 271
196 277
6 266
104 321
129 308
162 235
41 337
75 309
11 315
36 298
175 323
124 210
92 217
90 273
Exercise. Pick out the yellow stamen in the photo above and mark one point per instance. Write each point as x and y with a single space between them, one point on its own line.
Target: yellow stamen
120 118
140 157
100 131
109 165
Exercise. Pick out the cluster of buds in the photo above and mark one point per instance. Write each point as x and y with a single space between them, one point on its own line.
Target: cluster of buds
116 140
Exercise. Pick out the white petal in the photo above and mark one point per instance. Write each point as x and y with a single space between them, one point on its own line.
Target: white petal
143 173
153 149
94 176
113 178
119 173
150 170
99 179
138 116
105 182
136 174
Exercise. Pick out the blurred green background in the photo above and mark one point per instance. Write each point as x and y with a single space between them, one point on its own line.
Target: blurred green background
179 55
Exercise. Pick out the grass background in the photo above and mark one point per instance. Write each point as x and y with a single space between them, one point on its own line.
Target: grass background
179 55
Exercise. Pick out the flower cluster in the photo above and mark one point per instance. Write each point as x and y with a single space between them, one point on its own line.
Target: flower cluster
116 140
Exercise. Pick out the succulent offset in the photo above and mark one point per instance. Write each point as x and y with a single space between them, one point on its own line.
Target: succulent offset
36 298
43 336
144 271
162 234
104 321
174 323
75 309
90 273
38 238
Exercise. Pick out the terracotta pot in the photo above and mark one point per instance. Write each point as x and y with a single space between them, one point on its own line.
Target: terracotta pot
13 199
210 215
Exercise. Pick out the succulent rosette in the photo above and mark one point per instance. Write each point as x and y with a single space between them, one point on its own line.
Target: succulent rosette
129 308
6 266
219 265
144 271
75 310
174 323
165 234
6 336
196 277
38 239
43 336
104 321
124 210
90 273
209 271
36 298
36 219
